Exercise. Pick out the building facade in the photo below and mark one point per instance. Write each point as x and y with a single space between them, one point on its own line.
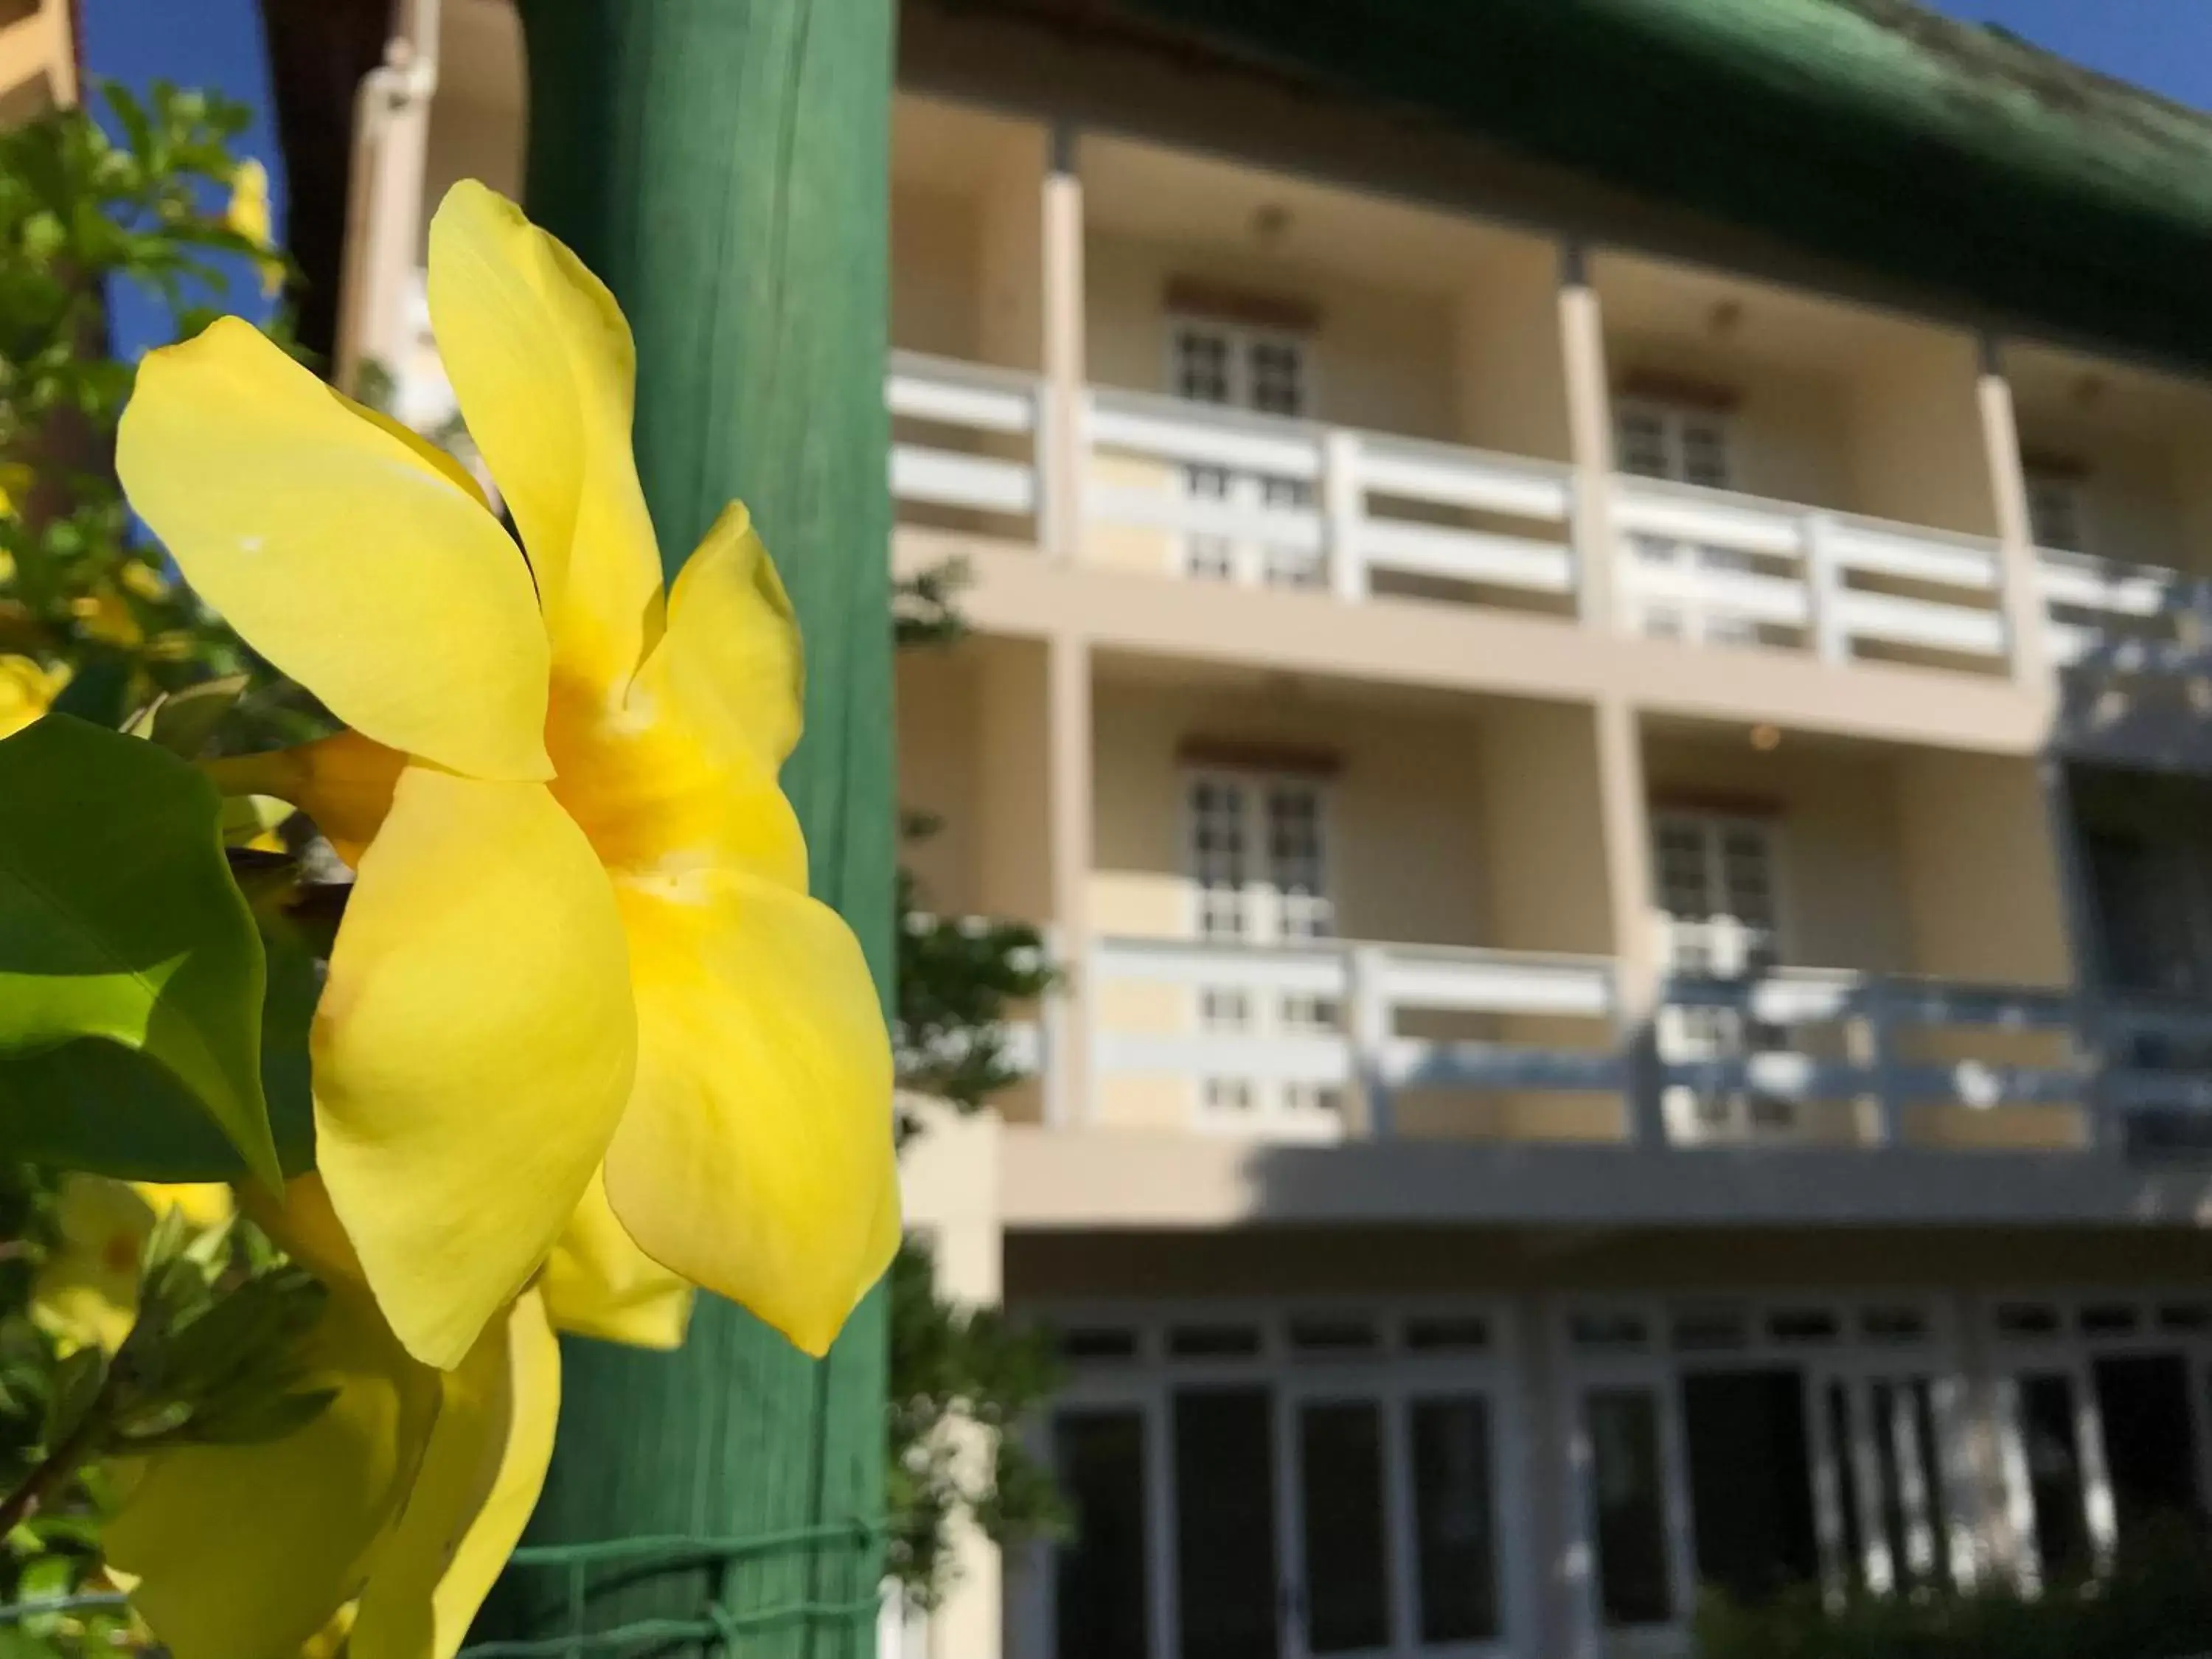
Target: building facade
1624 817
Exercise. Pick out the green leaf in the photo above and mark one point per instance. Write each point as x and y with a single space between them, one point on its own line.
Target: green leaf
182 722
120 927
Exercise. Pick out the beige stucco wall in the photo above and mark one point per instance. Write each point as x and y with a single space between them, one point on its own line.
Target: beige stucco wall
1376 358
1916 451
1979 878
1405 810
935 287
1788 430
939 761
1510 362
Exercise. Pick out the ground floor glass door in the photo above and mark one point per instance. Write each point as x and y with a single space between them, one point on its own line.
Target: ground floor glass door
1241 1507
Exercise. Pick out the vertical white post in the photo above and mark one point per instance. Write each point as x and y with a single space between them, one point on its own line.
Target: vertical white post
1824 585
391 143
1589 439
1344 504
1061 439
2018 568
1627 828
1369 1026
1068 787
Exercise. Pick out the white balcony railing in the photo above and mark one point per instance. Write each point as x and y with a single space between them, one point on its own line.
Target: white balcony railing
2132 619
1355 1002
1887 1047
1713 565
1879 1027
976 448
1303 504
1262 500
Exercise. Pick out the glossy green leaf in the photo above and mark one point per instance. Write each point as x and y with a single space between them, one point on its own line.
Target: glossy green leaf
122 935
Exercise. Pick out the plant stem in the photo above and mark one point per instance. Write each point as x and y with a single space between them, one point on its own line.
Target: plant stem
55 1467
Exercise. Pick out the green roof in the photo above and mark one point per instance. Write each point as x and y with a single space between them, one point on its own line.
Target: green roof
1952 157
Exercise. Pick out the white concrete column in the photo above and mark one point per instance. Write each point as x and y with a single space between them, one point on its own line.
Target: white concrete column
1627 818
2027 629
1068 791
391 144
1590 438
1061 441
950 1179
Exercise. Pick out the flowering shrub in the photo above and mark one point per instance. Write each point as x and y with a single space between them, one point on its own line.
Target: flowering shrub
548 1031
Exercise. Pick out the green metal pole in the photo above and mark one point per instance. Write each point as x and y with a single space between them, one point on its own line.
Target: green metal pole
722 164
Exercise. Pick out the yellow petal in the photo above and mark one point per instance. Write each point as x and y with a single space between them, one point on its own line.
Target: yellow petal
305 1225
341 554
659 802
474 1045
205 1204
597 1282
246 1552
755 1156
479 1481
26 690
542 363
344 782
730 661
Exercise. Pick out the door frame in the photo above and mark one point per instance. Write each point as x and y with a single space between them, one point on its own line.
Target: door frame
1392 1374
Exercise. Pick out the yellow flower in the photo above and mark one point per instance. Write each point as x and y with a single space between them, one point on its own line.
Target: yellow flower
248 214
107 618
580 935
17 479
27 691
409 1491
87 1292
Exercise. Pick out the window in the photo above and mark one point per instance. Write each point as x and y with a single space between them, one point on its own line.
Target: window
2057 1490
1714 881
2054 509
1259 875
1341 1496
1455 1535
1225 1508
1319 1492
1671 440
1688 445
1265 371
1100 1604
1628 1496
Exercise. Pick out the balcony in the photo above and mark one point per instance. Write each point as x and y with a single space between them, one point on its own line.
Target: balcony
1348 1071
1364 515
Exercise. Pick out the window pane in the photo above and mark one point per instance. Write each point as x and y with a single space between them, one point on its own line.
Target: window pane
1099 1590
1225 1523
1641 438
2054 1477
1340 1493
1629 1497
1201 365
2143 1402
1277 371
1454 1548
1751 1481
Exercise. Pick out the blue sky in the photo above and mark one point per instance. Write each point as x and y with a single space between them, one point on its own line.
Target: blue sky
2164 45
213 44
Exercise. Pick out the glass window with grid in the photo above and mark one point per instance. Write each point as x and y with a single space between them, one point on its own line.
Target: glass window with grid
1219 856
